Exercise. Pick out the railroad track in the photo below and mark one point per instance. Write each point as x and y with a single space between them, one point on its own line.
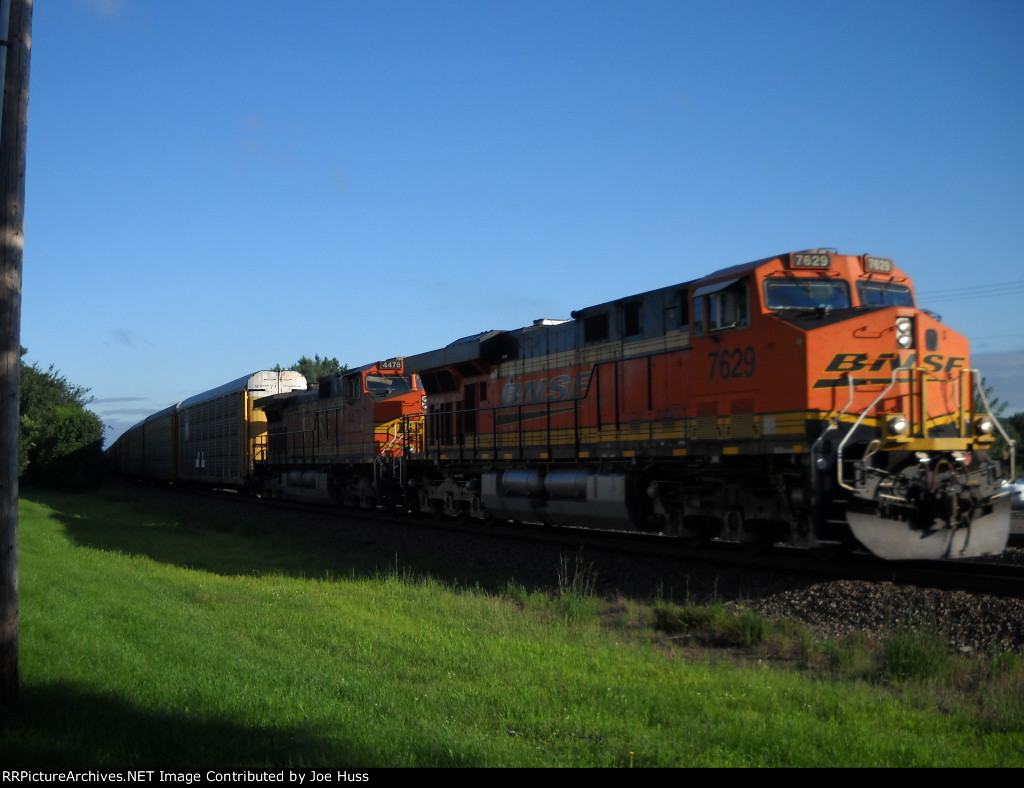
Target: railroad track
977 609
978 576
997 577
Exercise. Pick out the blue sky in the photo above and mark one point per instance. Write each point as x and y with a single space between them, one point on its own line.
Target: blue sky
218 186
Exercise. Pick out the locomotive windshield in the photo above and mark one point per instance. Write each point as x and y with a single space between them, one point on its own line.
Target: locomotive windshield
806 293
379 382
879 294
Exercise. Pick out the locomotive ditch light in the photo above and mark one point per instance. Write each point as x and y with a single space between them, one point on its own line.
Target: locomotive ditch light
905 332
983 426
897 425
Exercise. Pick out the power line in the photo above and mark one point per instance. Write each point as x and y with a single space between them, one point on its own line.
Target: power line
977 291
998 336
990 284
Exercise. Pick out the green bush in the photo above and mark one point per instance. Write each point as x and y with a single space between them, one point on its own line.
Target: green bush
60 443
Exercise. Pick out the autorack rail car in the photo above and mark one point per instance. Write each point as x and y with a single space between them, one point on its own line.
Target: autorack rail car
205 439
801 399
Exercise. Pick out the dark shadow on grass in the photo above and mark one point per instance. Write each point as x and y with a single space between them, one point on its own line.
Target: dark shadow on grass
225 537
229 537
56 727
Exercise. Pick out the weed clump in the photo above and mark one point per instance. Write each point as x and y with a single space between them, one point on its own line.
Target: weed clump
909 654
576 586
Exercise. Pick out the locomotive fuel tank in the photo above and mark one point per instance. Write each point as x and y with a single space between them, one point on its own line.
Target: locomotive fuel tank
573 496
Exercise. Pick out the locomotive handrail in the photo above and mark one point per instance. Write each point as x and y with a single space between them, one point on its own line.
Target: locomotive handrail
857 423
834 422
390 442
284 445
1011 444
975 374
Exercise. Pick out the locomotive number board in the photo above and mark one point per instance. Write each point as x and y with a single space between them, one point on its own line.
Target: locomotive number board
881 265
810 260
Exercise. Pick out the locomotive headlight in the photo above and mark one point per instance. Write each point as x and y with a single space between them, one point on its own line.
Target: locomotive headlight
983 425
905 332
897 425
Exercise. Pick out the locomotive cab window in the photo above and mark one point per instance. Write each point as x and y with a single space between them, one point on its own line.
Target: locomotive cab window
380 382
726 305
806 293
353 388
879 294
677 313
698 314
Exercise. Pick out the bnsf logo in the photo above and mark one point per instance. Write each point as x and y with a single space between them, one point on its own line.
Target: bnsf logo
885 363
556 389
857 362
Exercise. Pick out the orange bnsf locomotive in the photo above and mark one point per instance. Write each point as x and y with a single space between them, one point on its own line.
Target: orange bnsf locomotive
802 399
347 441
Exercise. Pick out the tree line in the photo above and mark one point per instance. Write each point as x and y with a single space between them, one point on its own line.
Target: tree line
313 369
60 441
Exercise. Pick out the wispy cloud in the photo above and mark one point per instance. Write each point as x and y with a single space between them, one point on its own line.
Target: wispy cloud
339 181
267 139
128 338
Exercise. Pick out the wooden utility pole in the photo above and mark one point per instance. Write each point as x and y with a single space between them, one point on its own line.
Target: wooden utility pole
13 129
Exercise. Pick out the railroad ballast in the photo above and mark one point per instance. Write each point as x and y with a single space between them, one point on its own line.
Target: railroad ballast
801 399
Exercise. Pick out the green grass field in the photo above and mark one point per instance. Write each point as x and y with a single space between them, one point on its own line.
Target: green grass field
171 637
